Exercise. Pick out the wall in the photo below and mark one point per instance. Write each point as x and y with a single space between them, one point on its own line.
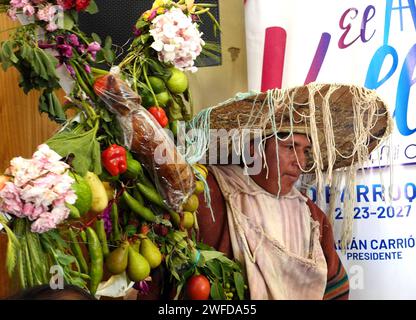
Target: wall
211 85
22 128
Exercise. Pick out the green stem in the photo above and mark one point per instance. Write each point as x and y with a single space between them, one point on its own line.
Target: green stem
134 75
99 71
81 82
148 84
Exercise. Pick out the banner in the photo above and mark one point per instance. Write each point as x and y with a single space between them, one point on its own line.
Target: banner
368 43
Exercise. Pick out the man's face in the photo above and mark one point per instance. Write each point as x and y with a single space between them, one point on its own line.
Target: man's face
292 154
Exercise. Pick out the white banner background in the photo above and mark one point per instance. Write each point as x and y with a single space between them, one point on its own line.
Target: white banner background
367 43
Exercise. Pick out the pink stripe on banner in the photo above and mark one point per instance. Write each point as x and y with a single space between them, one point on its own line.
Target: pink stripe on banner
273 58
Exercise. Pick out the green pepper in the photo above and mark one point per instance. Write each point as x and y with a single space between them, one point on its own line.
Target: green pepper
137 208
97 260
76 250
134 168
152 195
115 232
100 230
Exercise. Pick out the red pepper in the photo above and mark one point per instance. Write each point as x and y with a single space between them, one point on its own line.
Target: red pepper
114 159
159 115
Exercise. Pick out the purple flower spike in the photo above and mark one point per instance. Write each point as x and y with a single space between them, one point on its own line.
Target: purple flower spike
70 70
153 15
93 47
143 287
73 39
45 45
137 32
65 50
60 39
87 68
106 217
82 48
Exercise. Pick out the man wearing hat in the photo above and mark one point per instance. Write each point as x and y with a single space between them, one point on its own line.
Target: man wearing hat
283 240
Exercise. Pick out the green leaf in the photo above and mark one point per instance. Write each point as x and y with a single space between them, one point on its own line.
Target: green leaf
65 259
41 70
68 21
92 8
84 147
96 37
49 103
215 268
108 42
7 49
109 55
217 292
12 246
239 284
209 255
141 23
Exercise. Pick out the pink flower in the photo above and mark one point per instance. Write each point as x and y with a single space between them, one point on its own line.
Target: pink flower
18 3
12 13
87 68
28 10
46 154
51 26
47 13
10 199
43 224
93 48
39 189
73 40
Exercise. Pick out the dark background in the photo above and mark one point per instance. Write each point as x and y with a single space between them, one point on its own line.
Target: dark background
116 18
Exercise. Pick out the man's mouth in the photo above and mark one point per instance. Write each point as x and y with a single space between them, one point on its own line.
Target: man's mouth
293 176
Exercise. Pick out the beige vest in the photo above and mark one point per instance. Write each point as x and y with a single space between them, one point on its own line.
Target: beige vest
276 240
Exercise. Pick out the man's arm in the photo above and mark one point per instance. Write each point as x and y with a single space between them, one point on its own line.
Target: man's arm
215 234
337 287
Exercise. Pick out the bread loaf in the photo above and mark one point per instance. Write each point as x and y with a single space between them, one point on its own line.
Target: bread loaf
153 147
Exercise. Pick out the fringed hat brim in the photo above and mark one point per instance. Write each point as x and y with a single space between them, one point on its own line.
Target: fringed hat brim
347 121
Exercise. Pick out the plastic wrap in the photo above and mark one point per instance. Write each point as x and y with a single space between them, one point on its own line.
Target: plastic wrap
152 145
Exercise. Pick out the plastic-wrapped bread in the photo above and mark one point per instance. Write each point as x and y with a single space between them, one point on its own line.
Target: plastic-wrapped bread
153 147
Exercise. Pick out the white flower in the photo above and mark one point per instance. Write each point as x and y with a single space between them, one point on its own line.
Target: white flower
176 39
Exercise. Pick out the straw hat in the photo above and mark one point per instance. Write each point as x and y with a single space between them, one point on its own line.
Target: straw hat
344 122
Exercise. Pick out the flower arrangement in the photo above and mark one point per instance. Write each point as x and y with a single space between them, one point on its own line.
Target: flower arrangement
85 189
39 189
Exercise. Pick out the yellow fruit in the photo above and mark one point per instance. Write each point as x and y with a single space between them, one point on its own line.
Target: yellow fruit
138 268
199 187
99 194
191 204
151 253
117 260
188 219
109 190
202 169
178 82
